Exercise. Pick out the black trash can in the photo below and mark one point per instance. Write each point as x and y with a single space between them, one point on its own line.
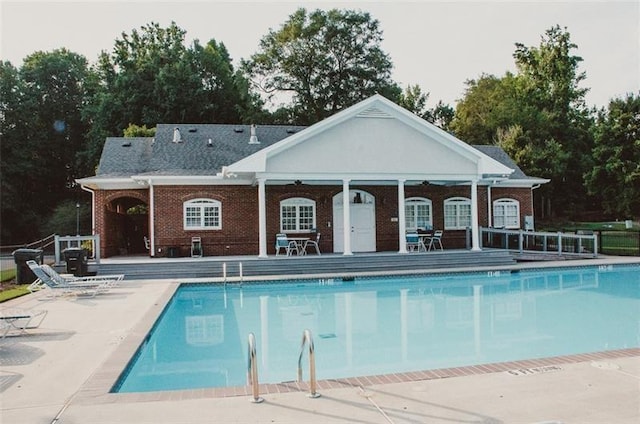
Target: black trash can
77 261
24 275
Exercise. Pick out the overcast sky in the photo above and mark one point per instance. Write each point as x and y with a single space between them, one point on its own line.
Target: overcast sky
437 45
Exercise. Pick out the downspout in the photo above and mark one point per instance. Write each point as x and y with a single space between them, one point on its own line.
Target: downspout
533 205
93 208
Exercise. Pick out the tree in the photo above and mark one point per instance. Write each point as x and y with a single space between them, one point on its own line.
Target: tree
414 100
538 116
42 131
152 77
324 62
615 176
557 134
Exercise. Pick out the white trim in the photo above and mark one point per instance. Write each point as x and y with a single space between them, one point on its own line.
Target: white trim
456 200
262 219
201 204
297 202
504 202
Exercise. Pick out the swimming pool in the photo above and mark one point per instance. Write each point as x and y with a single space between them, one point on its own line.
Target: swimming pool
385 325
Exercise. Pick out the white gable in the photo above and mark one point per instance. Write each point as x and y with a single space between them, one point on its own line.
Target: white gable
372 139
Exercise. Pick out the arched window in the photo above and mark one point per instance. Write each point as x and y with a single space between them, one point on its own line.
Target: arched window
457 213
418 214
506 213
297 215
202 214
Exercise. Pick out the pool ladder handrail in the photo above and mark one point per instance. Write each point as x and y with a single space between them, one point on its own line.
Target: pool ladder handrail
307 339
252 370
224 273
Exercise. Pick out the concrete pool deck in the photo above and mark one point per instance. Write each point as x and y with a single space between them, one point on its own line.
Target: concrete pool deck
58 373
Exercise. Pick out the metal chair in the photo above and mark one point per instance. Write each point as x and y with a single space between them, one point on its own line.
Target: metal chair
196 247
283 242
413 241
314 243
436 238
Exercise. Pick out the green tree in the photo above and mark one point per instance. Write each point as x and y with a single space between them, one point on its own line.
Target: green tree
414 100
42 132
152 77
557 132
323 61
134 130
539 117
615 175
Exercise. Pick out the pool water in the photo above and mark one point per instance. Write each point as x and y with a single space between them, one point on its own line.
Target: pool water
385 325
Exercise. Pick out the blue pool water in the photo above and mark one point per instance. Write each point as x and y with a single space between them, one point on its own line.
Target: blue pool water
385 325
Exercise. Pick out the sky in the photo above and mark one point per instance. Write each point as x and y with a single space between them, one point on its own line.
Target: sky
437 45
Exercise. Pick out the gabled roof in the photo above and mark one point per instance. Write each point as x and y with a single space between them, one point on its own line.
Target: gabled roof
207 151
194 155
374 137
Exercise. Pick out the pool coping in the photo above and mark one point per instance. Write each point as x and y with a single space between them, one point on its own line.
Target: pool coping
97 389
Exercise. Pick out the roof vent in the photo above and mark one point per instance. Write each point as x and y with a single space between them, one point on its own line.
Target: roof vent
290 131
192 130
209 143
238 130
126 143
254 138
177 138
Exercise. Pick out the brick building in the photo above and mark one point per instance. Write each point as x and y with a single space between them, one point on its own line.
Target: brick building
237 186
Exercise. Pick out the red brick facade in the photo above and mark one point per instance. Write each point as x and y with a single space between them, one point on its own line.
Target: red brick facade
239 232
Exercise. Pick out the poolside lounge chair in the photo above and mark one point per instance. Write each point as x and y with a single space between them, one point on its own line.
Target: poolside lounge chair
15 319
91 286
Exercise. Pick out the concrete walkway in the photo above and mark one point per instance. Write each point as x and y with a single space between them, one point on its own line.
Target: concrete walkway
48 377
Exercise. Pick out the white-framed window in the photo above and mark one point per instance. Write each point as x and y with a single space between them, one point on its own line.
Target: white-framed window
202 214
457 213
506 213
418 214
297 215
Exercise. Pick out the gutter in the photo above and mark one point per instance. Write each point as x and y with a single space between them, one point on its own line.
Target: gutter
93 207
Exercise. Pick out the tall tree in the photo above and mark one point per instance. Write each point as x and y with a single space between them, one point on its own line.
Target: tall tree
414 100
558 136
152 77
615 176
42 131
323 61
538 116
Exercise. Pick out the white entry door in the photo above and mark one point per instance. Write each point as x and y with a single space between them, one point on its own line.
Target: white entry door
363 222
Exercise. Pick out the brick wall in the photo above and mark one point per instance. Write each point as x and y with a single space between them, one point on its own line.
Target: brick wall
239 233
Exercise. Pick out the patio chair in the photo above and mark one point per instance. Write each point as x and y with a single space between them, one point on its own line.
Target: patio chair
196 247
414 243
313 243
436 239
60 284
283 242
20 320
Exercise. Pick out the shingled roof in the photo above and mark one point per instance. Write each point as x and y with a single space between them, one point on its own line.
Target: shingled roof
205 148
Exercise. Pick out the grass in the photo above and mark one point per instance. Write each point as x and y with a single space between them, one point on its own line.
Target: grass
9 290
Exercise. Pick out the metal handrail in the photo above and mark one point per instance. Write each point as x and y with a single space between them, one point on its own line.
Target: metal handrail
308 339
252 370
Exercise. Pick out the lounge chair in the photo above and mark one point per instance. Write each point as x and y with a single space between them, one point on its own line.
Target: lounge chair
50 279
19 320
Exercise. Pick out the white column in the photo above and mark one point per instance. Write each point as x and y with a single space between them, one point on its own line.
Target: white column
475 227
262 219
489 208
152 220
402 221
346 210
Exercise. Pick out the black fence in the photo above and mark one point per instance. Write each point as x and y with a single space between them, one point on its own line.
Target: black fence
620 243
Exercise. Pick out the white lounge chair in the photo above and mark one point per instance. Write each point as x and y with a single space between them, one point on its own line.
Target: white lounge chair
48 278
283 242
20 320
